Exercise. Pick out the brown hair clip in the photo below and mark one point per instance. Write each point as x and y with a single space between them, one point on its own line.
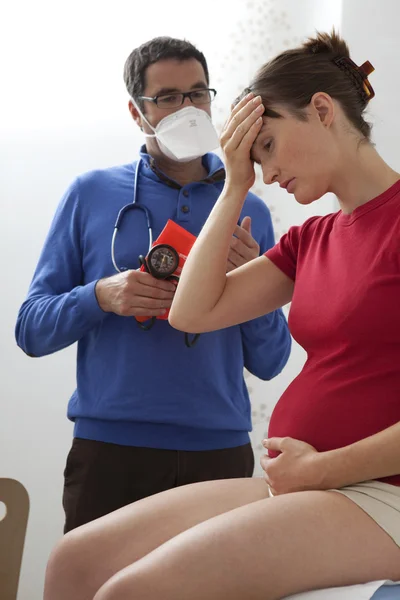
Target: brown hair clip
359 75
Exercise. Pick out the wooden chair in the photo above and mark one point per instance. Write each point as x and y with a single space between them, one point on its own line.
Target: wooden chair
12 535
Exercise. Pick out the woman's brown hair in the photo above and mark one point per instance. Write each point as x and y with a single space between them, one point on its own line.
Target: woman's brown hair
321 64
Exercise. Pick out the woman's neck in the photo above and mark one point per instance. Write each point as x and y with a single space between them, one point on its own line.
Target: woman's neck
363 175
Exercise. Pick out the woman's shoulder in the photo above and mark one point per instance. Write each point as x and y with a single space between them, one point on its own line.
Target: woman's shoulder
313 226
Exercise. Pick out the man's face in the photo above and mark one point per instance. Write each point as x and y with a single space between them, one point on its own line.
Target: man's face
168 77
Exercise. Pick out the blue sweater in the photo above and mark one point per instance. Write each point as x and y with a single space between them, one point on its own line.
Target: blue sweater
134 387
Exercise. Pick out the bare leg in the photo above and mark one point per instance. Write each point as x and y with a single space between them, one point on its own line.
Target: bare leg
88 556
264 551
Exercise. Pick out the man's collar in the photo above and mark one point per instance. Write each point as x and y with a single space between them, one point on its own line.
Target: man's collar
211 162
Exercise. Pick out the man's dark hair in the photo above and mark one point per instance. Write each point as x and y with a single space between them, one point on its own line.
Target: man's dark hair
159 48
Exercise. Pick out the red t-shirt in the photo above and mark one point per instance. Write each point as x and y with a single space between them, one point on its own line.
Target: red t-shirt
345 313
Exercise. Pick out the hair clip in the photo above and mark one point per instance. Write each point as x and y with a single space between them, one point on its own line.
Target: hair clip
358 74
366 68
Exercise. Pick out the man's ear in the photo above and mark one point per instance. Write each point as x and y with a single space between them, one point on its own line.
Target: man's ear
324 107
135 114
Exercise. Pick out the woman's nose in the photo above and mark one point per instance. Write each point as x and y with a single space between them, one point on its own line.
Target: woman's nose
270 175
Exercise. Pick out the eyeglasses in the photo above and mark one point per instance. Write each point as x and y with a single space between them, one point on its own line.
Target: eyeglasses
177 99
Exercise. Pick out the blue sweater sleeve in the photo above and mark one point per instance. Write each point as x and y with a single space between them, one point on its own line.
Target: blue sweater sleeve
266 340
59 309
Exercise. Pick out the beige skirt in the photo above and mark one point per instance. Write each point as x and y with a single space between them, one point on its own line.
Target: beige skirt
381 501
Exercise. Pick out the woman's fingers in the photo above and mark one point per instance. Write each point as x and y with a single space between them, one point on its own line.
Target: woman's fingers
249 138
238 137
240 122
236 109
243 129
244 138
238 115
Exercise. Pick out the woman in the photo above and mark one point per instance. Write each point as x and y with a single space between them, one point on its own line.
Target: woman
328 512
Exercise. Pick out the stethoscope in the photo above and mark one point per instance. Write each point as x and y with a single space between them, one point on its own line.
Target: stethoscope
161 260
131 206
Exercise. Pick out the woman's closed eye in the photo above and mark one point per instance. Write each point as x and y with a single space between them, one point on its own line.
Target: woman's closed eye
268 145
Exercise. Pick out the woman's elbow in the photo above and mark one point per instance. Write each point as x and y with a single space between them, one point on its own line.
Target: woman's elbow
178 321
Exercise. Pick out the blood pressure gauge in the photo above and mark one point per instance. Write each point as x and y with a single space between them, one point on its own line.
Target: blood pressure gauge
162 261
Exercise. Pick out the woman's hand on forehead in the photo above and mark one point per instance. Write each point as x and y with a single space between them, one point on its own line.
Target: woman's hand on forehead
238 137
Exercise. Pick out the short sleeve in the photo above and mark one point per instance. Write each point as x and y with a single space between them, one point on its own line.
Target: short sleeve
285 253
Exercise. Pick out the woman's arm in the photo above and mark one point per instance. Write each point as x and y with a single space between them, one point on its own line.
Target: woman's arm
207 298
374 457
249 292
299 466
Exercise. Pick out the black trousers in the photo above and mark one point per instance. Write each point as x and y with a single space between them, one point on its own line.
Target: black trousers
101 477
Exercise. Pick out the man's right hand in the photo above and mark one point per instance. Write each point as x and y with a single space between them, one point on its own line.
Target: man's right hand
134 294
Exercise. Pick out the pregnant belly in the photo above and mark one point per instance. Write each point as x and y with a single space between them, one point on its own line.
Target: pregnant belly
332 414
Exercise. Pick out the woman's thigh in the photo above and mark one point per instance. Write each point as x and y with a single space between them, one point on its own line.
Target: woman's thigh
89 555
264 551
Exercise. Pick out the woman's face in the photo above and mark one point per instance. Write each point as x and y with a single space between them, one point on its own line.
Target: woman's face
299 155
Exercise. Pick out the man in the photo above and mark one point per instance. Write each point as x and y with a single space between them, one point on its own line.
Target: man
150 413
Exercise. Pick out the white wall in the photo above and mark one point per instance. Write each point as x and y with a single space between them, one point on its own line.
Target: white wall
372 29
63 111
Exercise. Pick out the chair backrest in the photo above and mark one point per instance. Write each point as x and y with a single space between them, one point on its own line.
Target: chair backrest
12 535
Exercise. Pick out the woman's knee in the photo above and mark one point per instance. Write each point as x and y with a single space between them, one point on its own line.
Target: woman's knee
121 587
70 565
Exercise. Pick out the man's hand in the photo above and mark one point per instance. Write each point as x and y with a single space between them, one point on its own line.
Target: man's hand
298 467
244 247
135 294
